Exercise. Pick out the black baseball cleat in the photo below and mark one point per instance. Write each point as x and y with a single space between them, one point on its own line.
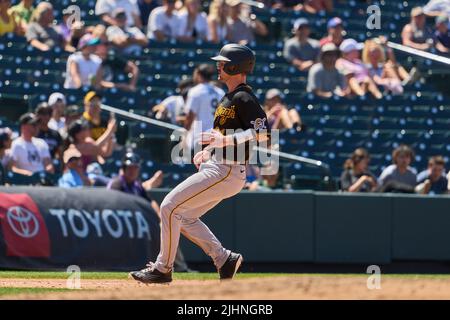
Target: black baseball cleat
151 275
231 266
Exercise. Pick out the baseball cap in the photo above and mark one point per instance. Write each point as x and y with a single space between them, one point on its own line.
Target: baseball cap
28 118
88 40
334 22
329 47
441 19
73 110
118 11
272 93
300 22
70 154
54 97
232 3
417 11
91 95
130 159
350 44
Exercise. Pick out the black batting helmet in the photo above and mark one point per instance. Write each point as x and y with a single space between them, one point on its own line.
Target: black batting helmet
237 58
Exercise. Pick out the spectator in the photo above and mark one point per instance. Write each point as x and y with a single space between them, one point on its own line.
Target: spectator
201 103
416 34
7 19
173 108
145 8
435 8
217 21
91 150
433 180
5 148
41 33
163 22
383 68
92 114
357 75
73 32
112 64
301 50
193 22
74 174
22 12
278 115
399 176
356 176
335 32
324 79
129 40
50 136
83 65
442 34
104 8
57 101
28 153
242 29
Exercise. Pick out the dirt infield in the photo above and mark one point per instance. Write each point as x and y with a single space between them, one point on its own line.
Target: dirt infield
283 287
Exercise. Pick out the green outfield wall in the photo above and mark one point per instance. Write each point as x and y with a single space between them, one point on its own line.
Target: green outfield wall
322 227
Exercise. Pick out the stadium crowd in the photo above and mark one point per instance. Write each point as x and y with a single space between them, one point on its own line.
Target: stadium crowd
73 142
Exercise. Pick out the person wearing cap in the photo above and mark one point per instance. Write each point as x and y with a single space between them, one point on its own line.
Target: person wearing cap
301 50
201 103
442 34
83 64
72 113
57 101
416 34
278 115
93 114
104 8
335 31
358 78
128 40
241 29
41 33
163 22
28 153
91 150
74 174
324 79
172 108
193 20
50 136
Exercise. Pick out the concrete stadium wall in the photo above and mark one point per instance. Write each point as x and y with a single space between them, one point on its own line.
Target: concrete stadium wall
321 227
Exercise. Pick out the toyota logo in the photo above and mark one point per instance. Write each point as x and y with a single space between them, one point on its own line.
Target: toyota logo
23 222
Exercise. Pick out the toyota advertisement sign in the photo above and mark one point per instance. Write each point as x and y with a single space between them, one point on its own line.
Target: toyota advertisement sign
96 229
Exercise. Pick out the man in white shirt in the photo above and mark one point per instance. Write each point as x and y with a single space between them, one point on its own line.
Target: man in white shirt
104 8
57 101
163 22
130 40
29 154
82 66
201 104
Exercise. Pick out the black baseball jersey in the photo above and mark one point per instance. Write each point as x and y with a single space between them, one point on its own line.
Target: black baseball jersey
240 109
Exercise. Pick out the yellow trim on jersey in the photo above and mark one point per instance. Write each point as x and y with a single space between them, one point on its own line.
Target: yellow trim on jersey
171 213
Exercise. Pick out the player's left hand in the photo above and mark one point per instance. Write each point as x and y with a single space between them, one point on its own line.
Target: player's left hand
214 139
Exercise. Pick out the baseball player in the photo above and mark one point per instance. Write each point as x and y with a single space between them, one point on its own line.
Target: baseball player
216 179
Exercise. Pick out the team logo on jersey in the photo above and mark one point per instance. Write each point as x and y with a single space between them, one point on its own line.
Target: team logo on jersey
224 114
259 124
